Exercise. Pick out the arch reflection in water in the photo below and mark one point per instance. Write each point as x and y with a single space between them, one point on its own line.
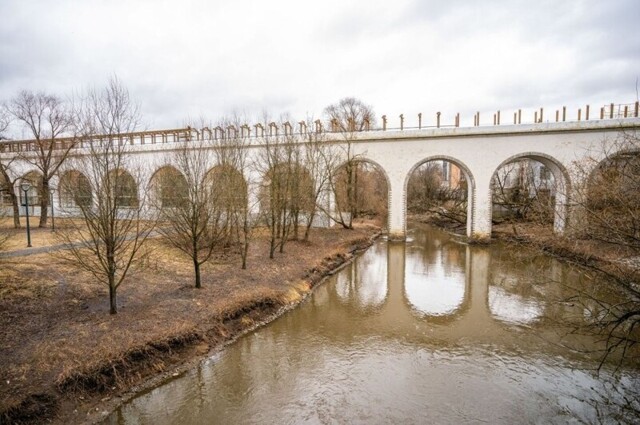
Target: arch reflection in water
513 308
517 288
435 278
367 280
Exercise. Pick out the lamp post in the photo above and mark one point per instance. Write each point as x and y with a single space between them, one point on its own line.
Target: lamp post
53 215
25 186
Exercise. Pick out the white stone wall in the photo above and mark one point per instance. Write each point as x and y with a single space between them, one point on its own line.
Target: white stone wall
478 151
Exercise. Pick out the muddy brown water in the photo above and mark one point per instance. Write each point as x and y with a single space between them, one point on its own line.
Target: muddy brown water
427 331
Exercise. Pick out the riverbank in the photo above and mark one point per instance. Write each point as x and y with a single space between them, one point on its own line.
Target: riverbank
615 261
65 359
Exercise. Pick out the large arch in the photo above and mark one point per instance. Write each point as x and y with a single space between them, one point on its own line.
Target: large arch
562 185
167 187
471 185
228 186
34 194
608 203
124 188
74 190
5 189
389 192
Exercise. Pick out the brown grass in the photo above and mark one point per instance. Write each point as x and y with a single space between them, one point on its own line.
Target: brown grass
59 341
40 236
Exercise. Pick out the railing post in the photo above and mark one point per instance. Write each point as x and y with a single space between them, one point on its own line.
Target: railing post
420 121
438 119
384 123
515 118
541 113
401 122
498 117
611 112
637 105
586 113
602 113
458 119
579 114
557 115
519 116
564 113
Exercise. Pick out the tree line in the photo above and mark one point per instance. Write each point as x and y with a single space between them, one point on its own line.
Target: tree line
200 202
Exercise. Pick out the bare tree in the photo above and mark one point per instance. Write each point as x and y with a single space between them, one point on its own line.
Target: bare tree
272 165
107 239
320 158
606 222
231 178
429 191
348 116
48 119
521 195
7 184
193 221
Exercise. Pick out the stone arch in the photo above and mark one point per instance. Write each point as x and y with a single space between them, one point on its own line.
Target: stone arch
167 187
612 157
228 185
124 188
606 204
378 167
74 190
35 192
5 189
562 185
471 185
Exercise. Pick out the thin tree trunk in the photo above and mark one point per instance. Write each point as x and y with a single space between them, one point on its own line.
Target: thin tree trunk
245 246
16 209
296 224
44 203
196 267
245 252
113 308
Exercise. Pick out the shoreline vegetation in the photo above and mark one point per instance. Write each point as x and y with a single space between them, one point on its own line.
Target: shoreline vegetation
66 360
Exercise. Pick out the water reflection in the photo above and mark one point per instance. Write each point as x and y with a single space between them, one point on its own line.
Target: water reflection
435 276
423 332
513 308
367 281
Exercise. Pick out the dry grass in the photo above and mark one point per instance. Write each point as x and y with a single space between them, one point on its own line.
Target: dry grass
40 237
58 336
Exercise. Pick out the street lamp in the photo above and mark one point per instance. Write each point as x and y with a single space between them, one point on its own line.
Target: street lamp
53 215
25 186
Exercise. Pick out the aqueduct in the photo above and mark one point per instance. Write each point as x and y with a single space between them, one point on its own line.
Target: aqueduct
478 151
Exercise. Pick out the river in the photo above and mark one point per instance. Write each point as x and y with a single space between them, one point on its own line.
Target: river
427 331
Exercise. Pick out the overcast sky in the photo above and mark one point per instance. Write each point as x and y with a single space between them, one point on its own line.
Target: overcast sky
187 59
